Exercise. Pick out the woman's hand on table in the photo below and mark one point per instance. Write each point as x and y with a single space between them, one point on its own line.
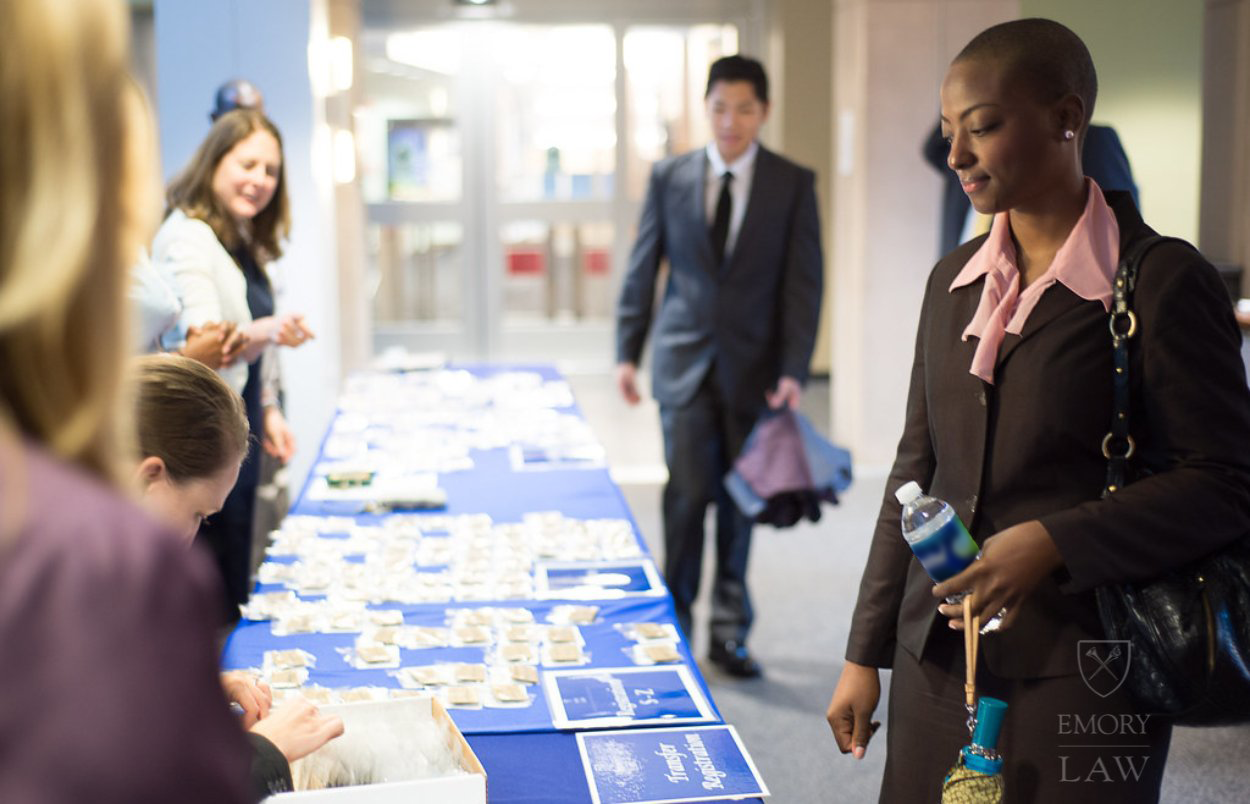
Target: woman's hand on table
851 707
279 440
252 696
297 729
1012 564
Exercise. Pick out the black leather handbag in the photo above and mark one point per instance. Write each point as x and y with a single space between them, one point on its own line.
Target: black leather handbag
1189 631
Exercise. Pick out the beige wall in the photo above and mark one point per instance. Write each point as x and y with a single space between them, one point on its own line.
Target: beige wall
1149 59
800 63
356 323
1224 231
889 59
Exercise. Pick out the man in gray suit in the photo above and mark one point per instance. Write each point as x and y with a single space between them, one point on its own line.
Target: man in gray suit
735 329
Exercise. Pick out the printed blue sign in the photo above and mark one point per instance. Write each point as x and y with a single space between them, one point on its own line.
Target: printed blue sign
652 766
625 696
597 580
623 577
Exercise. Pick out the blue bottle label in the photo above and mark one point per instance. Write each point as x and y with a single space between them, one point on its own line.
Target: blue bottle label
947 551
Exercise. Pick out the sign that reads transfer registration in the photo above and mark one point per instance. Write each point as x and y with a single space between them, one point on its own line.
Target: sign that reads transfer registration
654 766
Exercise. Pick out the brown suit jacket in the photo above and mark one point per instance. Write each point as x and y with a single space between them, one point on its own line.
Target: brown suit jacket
1029 447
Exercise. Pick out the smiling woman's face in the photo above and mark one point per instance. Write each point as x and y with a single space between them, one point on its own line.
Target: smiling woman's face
1005 146
247 176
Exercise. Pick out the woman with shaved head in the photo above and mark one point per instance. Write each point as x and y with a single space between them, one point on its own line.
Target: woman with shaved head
1011 397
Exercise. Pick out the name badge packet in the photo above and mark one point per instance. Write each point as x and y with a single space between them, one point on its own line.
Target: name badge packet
422 676
508 696
563 654
516 652
654 653
470 635
371 656
463 696
286 659
422 636
386 617
288 678
563 635
573 615
523 673
649 632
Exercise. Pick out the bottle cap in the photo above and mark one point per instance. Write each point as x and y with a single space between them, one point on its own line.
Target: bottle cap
908 492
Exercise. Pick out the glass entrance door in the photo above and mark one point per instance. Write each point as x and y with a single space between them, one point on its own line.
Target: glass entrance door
503 166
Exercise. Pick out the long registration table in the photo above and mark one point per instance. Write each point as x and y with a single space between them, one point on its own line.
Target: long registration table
534 535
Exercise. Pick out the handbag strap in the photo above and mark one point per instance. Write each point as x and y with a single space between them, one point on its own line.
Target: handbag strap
972 641
1118 445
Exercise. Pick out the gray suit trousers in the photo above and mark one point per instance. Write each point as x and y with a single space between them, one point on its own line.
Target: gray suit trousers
701 440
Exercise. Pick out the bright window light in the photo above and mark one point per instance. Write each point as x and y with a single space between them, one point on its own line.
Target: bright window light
344 156
341 63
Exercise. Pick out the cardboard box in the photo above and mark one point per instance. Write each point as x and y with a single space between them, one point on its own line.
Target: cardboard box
466 788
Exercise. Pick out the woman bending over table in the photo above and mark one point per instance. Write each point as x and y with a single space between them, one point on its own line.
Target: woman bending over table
193 437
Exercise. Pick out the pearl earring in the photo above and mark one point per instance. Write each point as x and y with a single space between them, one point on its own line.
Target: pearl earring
1069 134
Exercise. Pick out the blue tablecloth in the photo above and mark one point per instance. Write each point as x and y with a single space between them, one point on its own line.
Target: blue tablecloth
526 759
605 645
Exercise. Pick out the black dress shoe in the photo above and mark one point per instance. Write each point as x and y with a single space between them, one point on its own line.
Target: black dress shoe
735 660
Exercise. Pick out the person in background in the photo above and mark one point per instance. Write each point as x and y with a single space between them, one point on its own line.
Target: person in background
1102 158
1011 396
227 213
154 303
237 93
734 334
193 436
272 499
107 654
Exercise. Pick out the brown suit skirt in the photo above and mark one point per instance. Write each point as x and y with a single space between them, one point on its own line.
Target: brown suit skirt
1061 741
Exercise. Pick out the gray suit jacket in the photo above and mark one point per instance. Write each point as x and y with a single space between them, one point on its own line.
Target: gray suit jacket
750 320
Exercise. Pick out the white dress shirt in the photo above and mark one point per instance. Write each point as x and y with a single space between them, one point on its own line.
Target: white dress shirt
742 169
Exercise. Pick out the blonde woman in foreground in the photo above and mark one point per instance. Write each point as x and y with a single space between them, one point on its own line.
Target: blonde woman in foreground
108 663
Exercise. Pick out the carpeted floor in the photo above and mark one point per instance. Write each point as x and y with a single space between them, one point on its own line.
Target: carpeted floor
804 582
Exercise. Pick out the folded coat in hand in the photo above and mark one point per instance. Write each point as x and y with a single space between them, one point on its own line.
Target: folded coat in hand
786 469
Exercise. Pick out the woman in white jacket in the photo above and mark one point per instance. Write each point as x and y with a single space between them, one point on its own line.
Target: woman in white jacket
227 212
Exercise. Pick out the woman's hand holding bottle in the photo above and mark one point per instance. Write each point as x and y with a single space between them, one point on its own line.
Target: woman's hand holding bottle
1011 565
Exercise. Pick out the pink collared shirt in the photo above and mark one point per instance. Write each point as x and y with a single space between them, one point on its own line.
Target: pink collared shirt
1085 265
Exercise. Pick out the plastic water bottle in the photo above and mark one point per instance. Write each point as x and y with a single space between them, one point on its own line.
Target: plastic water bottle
935 534
939 539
